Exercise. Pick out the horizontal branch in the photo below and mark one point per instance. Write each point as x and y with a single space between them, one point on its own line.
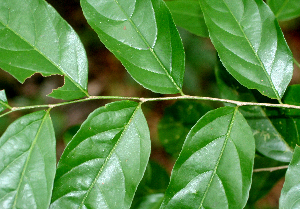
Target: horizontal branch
271 169
143 100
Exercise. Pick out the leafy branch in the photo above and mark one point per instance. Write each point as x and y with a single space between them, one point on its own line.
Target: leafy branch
144 100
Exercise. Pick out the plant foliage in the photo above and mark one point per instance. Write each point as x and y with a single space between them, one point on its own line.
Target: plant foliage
106 163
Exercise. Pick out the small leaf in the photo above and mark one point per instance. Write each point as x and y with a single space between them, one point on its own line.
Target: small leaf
151 201
27 162
155 180
285 9
215 166
290 195
103 164
268 139
263 182
35 39
142 35
3 101
250 44
291 125
188 15
178 119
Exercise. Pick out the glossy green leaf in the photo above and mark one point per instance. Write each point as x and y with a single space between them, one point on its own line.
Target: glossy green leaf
250 44
285 9
35 39
103 164
215 166
142 35
188 15
290 195
27 162
176 123
3 101
268 139
151 201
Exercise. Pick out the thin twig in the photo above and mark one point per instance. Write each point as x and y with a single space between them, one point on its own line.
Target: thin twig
271 169
143 100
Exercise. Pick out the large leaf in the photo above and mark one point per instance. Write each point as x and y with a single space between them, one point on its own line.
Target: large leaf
176 123
103 164
3 101
215 166
290 195
250 44
269 141
188 15
142 35
285 9
35 39
27 162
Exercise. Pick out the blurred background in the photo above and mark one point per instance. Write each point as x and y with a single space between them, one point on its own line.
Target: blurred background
107 76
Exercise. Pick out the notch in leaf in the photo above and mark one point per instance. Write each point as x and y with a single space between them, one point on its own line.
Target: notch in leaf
35 39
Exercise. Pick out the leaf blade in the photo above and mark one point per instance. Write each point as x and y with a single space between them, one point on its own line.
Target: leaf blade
290 197
27 163
138 33
41 42
285 9
110 133
206 184
250 44
3 101
188 15
268 140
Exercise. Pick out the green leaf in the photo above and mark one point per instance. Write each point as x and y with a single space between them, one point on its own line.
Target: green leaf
176 123
27 162
215 166
268 139
155 180
290 126
35 39
103 164
150 191
250 44
263 182
188 15
151 201
285 9
290 195
3 101
142 35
